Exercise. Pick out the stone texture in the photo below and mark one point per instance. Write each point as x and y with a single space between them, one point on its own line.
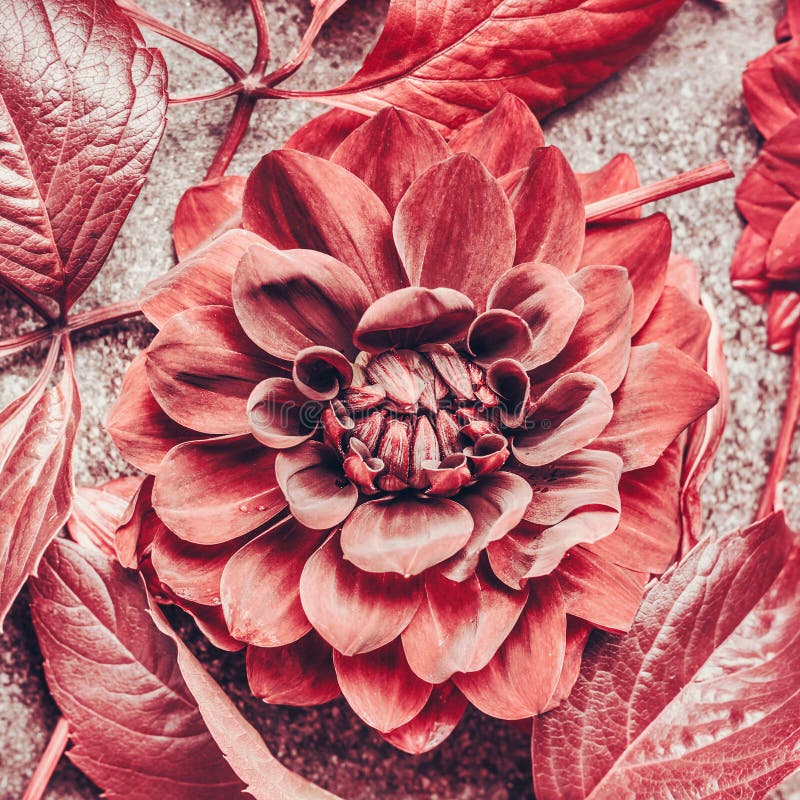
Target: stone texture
676 107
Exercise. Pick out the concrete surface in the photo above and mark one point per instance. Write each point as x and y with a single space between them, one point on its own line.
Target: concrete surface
678 106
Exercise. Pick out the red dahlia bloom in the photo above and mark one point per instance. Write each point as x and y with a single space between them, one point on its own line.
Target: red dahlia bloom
415 429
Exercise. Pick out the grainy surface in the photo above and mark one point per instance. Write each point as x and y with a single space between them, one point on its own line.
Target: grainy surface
676 107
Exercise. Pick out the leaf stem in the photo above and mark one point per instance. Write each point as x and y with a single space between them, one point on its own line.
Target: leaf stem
710 173
47 763
780 457
233 136
115 312
262 37
217 94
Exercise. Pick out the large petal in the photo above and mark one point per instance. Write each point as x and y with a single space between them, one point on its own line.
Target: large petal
296 200
260 586
201 279
615 177
522 676
138 425
454 228
311 478
567 417
437 720
293 299
405 534
207 211
600 342
496 504
299 674
663 393
602 593
215 490
502 139
548 212
380 686
355 611
202 368
413 316
390 151
542 296
642 246
459 626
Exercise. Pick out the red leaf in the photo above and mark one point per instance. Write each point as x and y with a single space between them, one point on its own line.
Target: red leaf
451 61
139 719
82 109
701 698
37 432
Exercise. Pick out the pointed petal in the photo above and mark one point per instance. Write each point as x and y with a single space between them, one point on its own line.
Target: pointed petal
663 392
206 211
454 228
211 623
578 631
682 273
137 424
202 278
405 534
353 610
615 177
279 415
380 686
523 674
542 296
783 255
296 200
137 527
783 314
289 300
604 594
568 416
311 478
437 720
413 316
212 491
749 265
97 512
260 586
299 674
600 342
324 133
389 151
642 246
496 504
548 212
502 139
202 368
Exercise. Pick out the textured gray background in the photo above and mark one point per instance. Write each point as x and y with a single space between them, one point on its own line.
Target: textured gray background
676 107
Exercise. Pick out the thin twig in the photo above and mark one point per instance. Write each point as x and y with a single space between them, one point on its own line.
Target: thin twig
48 762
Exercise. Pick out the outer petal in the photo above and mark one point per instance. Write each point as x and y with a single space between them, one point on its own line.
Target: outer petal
600 343
604 594
201 369
617 176
783 255
542 296
299 674
212 491
390 151
289 300
414 316
662 394
297 200
380 686
324 133
433 724
783 314
138 425
770 107
642 246
206 211
201 279
548 212
503 139
311 478
568 416
749 265
454 228
578 631
353 610
522 676
211 624
405 534
261 586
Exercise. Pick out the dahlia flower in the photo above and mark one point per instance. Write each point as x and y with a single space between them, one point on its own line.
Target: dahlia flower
412 428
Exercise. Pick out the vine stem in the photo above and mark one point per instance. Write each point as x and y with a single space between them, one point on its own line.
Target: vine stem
237 127
262 37
780 457
47 763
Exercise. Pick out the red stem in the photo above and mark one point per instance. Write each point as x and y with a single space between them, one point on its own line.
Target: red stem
233 136
780 457
218 94
262 37
710 173
47 763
